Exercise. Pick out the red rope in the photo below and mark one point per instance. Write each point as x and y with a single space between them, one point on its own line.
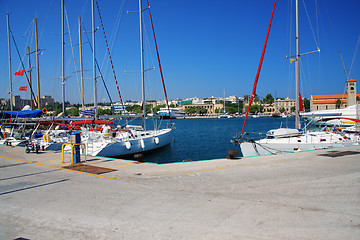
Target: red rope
112 65
158 57
259 68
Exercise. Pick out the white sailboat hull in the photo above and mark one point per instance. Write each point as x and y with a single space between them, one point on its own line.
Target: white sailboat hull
128 147
306 142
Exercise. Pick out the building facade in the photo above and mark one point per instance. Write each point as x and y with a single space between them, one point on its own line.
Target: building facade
335 101
211 108
286 104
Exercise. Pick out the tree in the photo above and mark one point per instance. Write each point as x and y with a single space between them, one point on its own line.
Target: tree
74 112
292 109
104 111
254 108
307 104
338 104
269 99
195 110
282 109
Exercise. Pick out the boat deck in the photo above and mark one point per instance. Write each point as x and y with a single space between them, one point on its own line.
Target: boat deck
306 195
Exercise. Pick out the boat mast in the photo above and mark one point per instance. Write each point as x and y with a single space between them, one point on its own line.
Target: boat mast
37 63
297 71
10 76
94 67
31 97
62 58
142 67
81 66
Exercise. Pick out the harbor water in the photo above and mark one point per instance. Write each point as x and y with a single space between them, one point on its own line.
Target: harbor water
209 138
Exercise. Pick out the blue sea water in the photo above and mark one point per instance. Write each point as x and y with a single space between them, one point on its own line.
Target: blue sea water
207 139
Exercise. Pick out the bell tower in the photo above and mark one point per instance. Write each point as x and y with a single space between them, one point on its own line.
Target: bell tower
351 92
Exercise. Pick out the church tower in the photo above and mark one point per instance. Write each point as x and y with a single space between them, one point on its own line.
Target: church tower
351 92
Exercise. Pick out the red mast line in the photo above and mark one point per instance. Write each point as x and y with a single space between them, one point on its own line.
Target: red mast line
112 65
158 57
259 68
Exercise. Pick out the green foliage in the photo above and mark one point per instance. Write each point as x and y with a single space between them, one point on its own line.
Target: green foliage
195 110
255 108
338 104
157 108
137 109
307 104
292 109
104 111
134 109
74 112
282 109
269 99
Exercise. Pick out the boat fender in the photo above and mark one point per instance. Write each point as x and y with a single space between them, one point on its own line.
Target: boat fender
128 145
156 140
46 138
142 143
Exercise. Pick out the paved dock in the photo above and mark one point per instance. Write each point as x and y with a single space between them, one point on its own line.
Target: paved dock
306 195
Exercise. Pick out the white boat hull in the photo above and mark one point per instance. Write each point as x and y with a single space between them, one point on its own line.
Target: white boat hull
130 146
305 142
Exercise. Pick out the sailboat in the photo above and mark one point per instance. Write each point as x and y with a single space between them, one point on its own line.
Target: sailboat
284 140
127 140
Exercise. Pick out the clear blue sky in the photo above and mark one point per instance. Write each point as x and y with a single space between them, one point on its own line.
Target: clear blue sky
205 47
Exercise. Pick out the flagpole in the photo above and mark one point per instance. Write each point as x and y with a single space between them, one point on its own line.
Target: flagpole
10 76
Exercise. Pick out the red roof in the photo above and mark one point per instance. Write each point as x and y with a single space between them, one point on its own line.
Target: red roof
328 101
351 80
332 96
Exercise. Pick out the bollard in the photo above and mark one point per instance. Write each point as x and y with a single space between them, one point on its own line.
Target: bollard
232 153
75 138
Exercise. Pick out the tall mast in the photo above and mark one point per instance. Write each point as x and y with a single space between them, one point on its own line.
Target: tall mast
10 75
224 102
81 66
94 67
31 97
62 58
297 71
37 64
142 67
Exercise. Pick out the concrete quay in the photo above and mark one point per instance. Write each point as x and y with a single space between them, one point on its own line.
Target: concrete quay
305 195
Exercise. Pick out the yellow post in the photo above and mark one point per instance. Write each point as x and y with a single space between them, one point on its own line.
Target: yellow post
72 151
62 150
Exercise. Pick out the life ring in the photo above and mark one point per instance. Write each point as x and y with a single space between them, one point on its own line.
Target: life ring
46 138
44 110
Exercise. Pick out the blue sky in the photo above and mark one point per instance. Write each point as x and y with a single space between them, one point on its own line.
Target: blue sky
205 47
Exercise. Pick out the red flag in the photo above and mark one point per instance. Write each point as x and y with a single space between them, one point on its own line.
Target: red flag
302 107
23 88
20 73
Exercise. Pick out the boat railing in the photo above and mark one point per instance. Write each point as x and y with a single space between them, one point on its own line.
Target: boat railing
248 137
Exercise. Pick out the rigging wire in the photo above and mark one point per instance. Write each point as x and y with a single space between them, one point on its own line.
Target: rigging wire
312 30
46 18
290 10
259 68
353 60
97 64
72 51
17 50
112 65
158 56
